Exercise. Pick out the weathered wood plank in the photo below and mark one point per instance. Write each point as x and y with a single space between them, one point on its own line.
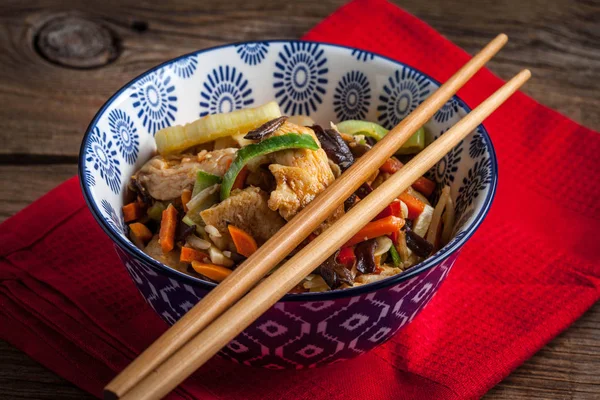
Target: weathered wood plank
21 185
48 107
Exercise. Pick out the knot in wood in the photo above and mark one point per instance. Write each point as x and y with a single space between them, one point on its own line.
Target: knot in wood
76 42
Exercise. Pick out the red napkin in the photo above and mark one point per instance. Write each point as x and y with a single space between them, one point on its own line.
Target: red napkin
529 272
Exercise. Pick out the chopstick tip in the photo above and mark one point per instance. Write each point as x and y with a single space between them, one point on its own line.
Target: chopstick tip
108 395
502 38
524 75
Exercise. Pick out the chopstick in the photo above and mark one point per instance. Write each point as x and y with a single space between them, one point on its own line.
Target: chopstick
294 232
206 344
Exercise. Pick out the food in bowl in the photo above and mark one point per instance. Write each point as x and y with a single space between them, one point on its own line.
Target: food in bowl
328 83
222 185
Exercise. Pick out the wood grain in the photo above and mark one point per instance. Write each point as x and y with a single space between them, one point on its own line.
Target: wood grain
46 108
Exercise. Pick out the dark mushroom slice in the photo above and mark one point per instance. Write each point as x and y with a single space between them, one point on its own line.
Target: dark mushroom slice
334 146
349 202
361 192
417 244
364 190
370 141
266 128
141 191
334 273
359 150
365 256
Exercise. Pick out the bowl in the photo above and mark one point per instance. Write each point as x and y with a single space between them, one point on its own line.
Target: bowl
328 83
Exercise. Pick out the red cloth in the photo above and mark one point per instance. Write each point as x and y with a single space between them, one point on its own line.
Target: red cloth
529 272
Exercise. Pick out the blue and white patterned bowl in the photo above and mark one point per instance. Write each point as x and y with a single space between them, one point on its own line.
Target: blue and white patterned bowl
329 83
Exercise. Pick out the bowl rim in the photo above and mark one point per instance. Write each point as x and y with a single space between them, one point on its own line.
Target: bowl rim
439 257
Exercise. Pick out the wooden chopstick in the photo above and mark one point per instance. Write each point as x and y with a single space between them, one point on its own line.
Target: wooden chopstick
294 232
202 347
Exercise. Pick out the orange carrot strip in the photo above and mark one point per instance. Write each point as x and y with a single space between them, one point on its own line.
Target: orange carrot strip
212 271
244 242
140 234
132 211
240 179
168 224
188 255
384 226
391 165
424 185
415 206
186 196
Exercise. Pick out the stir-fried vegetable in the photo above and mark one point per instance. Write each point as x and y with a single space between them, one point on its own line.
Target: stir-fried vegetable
365 257
177 138
215 272
140 234
155 210
413 145
391 165
436 218
448 218
243 241
132 211
334 146
204 180
200 202
422 184
168 224
414 205
422 222
240 179
189 254
394 209
270 145
384 244
396 261
334 273
373 229
265 129
417 244
186 196
346 256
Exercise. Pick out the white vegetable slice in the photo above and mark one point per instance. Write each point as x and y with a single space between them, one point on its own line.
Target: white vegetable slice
197 243
404 209
217 257
202 197
422 222
448 218
383 245
175 139
436 218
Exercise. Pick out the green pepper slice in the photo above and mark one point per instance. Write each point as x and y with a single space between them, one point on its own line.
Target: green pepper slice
270 145
395 257
204 180
413 145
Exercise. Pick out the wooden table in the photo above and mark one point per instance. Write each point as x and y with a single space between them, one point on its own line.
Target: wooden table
47 106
